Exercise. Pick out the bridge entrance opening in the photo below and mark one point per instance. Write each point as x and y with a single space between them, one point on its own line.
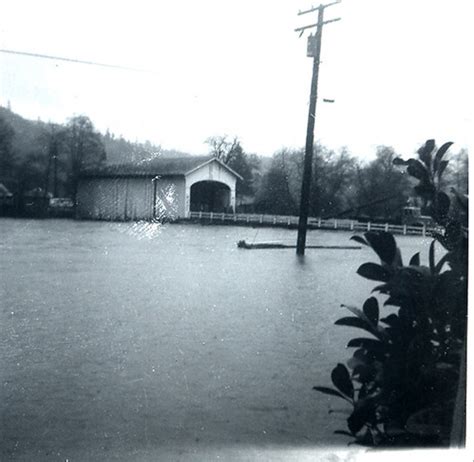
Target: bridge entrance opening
210 196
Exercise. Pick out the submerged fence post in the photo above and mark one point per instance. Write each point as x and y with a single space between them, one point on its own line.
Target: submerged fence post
386 227
405 229
424 230
352 225
368 226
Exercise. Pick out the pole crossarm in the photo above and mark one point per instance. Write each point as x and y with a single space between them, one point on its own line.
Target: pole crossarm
316 25
315 8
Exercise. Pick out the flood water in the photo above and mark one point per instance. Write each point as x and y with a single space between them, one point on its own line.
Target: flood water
126 341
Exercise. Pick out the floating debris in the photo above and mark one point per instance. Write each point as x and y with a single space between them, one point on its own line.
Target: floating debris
276 245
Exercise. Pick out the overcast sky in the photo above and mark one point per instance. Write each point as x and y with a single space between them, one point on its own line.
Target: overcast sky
400 71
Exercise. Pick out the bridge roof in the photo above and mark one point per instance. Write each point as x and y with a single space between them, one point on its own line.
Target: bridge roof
178 166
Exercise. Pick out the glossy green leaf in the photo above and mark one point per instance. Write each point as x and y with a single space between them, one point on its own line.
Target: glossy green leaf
371 310
374 272
391 320
341 379
442 167
399 161
425 152
443 204
358 343
357 311
440 264
415 260
441 239
355 422
359 239
359 358
330 391
363 414
439 155
382 288
363 373
353 322
384 245
417 170
343 432
364 323
397 260
425 190
367 343
432 257
391 301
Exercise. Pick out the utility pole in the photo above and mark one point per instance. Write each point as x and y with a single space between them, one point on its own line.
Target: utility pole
314 51
54 152
52 159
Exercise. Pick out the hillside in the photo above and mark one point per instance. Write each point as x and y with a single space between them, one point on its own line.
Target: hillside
28 134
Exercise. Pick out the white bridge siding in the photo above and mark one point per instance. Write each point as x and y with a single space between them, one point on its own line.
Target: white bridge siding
130 198
169 198
118 195
211 171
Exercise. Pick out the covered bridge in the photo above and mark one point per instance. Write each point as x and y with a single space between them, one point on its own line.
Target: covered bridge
162 188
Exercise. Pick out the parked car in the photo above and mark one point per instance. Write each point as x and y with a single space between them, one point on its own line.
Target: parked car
412 216
61 207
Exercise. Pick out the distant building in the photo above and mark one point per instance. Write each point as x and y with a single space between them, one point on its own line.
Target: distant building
36 203
159 188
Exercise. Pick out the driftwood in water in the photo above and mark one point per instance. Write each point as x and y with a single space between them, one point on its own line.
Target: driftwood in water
275 245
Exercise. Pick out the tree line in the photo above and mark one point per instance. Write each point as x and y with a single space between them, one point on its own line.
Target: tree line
50 157
47 158
342 185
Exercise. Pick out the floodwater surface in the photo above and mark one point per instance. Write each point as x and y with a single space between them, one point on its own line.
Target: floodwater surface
125 341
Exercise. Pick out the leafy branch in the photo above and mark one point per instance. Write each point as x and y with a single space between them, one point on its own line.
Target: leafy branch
402 381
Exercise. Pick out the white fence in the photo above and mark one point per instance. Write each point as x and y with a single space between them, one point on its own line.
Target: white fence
313 223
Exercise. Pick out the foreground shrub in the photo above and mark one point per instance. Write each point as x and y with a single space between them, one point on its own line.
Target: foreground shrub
406 379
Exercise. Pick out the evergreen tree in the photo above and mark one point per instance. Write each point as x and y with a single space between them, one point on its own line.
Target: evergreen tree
274 196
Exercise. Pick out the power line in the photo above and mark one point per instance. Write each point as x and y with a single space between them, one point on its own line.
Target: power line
71 60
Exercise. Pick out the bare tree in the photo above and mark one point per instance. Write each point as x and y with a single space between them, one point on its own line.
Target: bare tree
221 147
